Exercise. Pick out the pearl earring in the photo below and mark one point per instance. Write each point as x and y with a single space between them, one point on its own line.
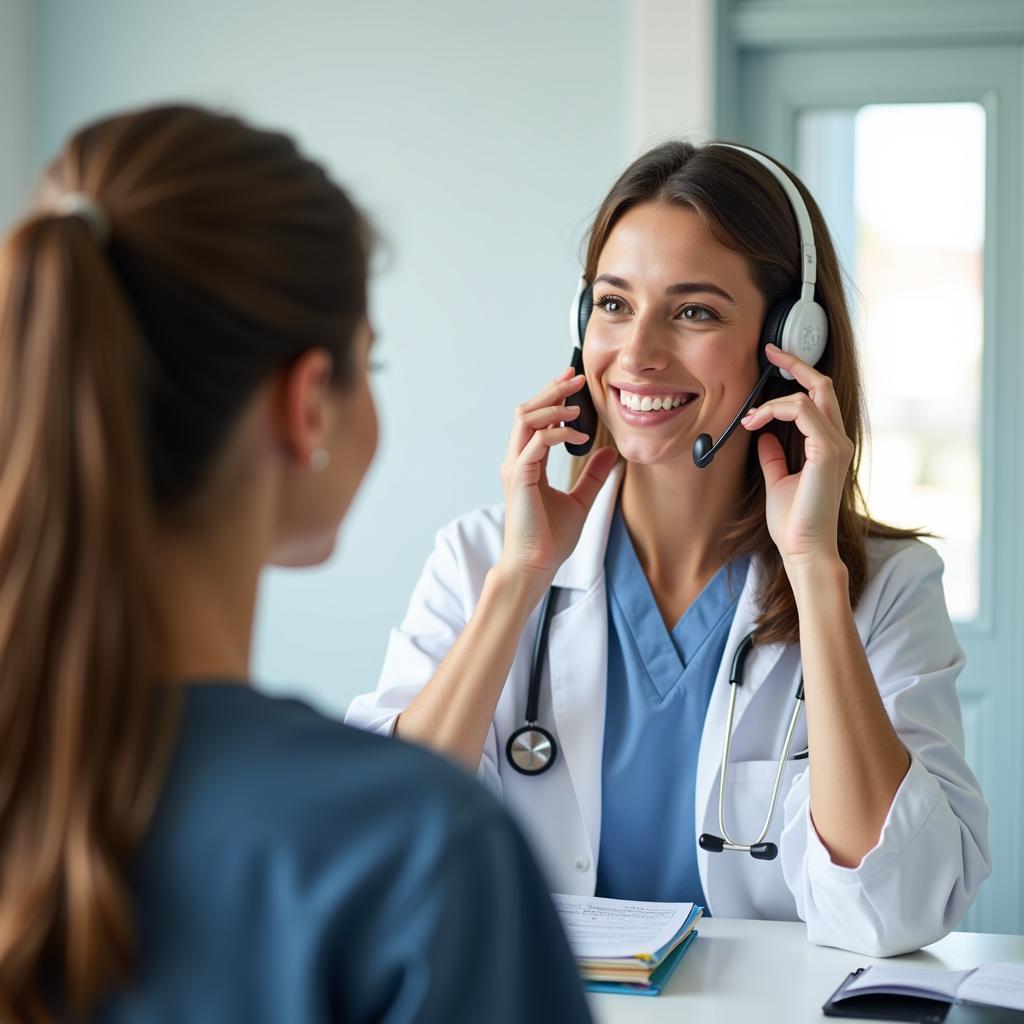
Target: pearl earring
319 459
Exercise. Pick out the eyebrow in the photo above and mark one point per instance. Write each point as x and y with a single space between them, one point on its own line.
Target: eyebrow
682 288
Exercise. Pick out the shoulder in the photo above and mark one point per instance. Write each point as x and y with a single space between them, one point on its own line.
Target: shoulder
476 534
276 776
464 551
294 858
896 565
904 581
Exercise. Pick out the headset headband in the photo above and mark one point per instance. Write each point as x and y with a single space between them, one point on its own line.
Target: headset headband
803 218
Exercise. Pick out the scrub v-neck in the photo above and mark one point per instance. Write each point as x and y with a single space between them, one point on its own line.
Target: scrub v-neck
659 687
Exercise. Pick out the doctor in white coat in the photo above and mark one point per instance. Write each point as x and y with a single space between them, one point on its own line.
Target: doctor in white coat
658 568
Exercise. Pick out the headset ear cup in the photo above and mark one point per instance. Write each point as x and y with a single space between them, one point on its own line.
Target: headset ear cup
773 328
586 421
805 332
584 311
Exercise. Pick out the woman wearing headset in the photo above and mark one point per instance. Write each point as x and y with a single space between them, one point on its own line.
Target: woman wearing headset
577 648
183 363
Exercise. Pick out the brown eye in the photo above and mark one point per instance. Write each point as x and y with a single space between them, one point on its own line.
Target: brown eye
696 314
611 304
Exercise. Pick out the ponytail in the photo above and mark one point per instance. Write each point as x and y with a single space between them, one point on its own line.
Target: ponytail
84 733
196 257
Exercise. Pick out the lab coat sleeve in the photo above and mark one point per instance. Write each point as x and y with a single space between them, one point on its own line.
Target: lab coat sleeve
920 879
440 607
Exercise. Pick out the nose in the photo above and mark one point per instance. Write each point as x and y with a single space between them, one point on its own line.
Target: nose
643 352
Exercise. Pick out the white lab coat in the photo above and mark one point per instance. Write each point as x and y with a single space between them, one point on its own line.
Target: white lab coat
911 889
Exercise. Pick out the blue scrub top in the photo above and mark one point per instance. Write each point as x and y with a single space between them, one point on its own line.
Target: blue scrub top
659 687
300 870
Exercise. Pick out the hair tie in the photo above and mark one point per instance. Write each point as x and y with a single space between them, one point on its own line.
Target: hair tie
78 204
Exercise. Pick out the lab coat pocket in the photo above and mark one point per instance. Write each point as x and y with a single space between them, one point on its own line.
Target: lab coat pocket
749 792
748 795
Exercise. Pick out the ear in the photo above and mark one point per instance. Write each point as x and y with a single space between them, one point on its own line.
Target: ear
303 411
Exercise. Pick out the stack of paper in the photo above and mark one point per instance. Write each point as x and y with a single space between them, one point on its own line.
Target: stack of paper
626 945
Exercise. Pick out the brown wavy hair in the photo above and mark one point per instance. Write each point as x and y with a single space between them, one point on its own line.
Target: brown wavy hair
125 357
745 209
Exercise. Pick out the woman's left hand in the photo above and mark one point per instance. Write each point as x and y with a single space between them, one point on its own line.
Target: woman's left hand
802 508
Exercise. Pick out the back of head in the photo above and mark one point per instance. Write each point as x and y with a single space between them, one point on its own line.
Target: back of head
195 257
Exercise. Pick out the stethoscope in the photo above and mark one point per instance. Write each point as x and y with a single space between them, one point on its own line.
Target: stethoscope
758 849
532 750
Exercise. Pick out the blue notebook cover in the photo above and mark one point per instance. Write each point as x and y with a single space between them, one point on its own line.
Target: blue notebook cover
658 978
694 916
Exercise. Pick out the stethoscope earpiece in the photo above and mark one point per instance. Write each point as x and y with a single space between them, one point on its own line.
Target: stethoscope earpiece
716 844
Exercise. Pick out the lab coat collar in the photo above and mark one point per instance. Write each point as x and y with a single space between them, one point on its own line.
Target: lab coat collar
585 566
762 659
579 670
760 662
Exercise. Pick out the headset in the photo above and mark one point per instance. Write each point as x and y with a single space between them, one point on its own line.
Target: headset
797 325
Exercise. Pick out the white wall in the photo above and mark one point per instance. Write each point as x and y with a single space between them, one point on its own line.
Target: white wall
16 75
480 137
673 46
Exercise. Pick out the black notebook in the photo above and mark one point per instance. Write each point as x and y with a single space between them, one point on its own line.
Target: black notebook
983 995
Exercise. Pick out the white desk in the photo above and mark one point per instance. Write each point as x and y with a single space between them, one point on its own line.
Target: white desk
766 972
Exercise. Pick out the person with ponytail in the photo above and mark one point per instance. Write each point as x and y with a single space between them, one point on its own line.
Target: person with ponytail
184 352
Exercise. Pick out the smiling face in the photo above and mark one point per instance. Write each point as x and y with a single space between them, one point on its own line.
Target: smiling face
671 347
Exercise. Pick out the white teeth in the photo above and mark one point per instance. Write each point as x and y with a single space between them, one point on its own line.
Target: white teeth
645 403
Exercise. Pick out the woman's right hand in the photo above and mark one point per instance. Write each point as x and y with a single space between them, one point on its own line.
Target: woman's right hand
543 524
454 710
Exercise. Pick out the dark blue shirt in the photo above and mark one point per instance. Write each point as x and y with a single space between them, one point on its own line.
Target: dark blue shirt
659 686
298 870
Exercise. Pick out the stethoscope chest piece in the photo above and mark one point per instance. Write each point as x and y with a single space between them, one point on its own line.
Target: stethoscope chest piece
531 750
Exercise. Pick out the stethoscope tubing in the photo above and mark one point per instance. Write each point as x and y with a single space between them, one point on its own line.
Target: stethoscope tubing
532 750
729 842
540 648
